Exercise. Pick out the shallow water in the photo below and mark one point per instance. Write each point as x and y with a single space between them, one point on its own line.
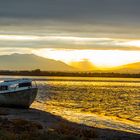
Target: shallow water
108 97
117 98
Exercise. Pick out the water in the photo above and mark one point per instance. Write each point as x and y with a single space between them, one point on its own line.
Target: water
117 98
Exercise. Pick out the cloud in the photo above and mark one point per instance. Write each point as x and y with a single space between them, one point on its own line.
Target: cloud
65 9
46 27
67 42
70 24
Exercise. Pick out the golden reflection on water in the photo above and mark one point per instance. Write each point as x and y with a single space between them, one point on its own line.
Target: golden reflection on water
117 100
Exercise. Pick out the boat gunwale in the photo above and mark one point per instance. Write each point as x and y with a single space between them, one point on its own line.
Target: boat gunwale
18 90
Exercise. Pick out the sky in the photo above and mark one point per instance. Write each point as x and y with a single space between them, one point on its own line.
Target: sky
104 32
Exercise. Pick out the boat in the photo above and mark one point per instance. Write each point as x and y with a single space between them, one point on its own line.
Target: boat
18 93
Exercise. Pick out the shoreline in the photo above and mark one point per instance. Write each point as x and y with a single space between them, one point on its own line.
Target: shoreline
91 119
49 120
69 74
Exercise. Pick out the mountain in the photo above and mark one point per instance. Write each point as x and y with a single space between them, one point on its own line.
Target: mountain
31 62
132 68
129 68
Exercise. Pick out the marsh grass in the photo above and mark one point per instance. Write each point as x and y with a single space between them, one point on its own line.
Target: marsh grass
20 129
73 130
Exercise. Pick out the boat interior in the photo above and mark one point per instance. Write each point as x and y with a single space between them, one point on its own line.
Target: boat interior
15 85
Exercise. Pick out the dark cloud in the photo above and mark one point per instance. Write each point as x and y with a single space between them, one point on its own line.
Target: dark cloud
75 18
105 18
88 11
68 45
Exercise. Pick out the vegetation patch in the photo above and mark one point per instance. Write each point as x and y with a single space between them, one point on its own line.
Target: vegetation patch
20 129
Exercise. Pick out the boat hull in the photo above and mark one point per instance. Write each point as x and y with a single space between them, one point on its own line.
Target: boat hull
19 99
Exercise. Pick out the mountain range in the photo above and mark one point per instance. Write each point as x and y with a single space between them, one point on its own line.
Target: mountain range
31 62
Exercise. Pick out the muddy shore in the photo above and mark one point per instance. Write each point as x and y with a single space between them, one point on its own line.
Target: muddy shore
44 121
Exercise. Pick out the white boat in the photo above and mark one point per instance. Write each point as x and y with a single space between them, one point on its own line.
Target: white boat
17 93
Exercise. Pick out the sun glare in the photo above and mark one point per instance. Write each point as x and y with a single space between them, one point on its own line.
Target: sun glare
100 58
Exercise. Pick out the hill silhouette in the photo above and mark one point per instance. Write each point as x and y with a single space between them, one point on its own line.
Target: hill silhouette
128 68
30 62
